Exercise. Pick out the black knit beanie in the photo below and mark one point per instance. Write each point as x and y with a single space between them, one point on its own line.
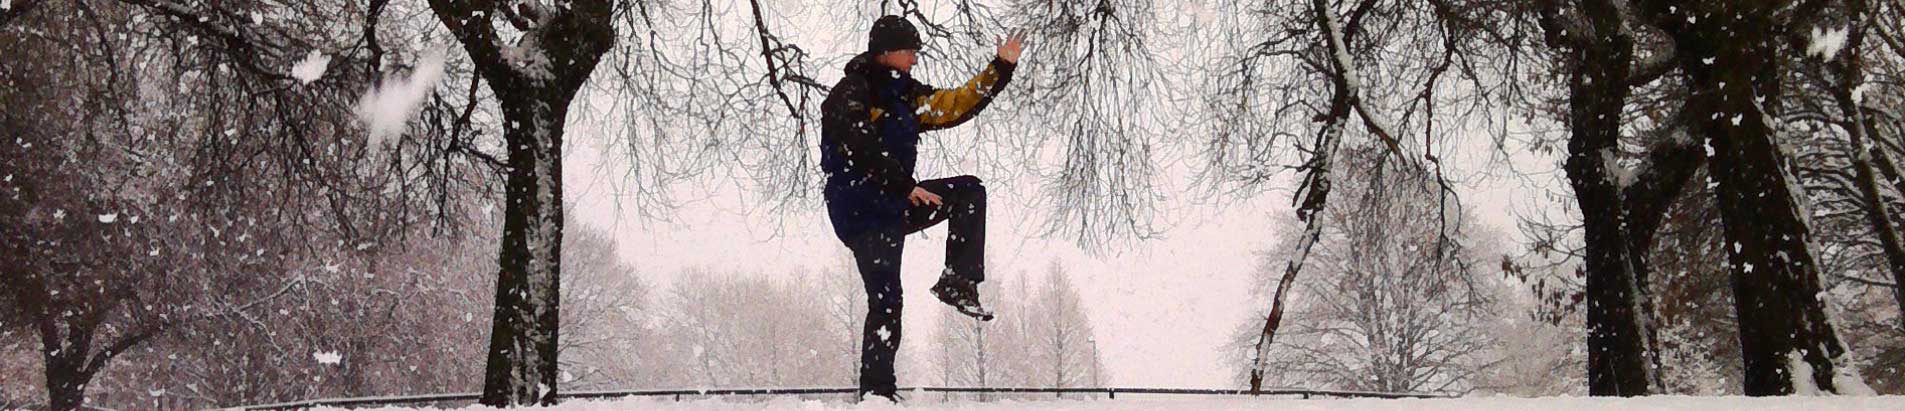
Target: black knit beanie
892 33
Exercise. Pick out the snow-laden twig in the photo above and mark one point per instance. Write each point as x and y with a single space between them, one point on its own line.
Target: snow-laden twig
1339 54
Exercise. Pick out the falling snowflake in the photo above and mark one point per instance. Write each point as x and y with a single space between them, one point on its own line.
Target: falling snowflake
328 357
386 110
311 68
1826 42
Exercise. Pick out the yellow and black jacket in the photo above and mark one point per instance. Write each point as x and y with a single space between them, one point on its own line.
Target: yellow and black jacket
870 125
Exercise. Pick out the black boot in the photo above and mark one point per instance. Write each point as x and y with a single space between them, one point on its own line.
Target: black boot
890 396
962 295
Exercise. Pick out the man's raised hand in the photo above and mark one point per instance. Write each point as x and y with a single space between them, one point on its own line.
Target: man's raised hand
1010 49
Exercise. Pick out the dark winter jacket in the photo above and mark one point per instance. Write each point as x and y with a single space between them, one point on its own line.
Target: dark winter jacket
869 141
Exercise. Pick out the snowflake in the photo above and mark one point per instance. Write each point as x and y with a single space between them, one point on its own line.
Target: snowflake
311 68
328 357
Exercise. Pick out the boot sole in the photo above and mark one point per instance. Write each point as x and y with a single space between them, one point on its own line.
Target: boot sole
962 309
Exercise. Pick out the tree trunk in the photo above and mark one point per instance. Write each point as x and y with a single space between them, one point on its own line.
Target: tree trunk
535 81
65 392
1618 361
979 330
66 381
1315 189
523 339
1730 55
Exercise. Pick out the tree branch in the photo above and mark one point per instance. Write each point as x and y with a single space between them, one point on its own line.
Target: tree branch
1660 178
120 346
474 31
20 8
767 55
245 50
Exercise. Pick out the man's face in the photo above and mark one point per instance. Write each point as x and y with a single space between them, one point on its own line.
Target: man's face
901 60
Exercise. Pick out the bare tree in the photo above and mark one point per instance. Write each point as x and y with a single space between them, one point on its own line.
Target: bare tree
1532 358
137 230
1097 87
1387 308
608 306
1788 342
1618 214
534 77
846 310
750 331
1325 59
974 353
1061 334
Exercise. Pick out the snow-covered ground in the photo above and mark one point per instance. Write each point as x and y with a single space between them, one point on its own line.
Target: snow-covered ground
1887 403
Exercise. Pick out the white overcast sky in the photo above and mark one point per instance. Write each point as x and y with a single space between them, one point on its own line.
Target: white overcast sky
1162 308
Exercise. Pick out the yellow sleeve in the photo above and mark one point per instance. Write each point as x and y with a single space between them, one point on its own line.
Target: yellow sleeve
943 108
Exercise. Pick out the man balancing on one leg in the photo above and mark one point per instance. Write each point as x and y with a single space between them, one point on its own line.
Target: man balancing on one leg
869 143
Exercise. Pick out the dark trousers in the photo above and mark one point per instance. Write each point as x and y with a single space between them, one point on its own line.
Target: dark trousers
877 253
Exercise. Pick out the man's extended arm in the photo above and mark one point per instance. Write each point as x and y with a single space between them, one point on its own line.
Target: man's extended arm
945 108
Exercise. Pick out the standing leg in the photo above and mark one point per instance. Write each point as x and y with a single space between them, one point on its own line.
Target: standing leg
877 254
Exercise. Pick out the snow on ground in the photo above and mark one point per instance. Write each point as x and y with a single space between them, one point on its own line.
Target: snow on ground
1887 403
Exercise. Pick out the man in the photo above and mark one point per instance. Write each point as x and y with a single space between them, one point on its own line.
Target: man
869 145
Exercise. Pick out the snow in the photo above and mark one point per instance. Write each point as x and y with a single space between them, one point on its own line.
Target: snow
1801 374
6 4
327 357
311 68
108 218
1622 176
387 109
1826 42
529 59
931 401
1847 380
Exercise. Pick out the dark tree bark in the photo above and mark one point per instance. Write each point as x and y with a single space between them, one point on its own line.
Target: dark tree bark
19 8
535 80
1619 218
72 360
1730 53
1618 363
